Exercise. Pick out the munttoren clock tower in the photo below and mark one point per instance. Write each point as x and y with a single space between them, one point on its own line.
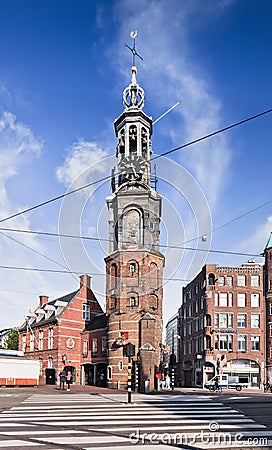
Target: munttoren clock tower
134 266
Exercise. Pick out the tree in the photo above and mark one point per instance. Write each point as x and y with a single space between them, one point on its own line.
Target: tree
12 340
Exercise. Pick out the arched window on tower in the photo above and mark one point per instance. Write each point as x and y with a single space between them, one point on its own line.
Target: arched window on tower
121 143
132 299
144 141
154 282
113 276
132 225
153 302
133 268
132 139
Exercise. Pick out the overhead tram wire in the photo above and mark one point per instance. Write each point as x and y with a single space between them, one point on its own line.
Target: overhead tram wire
36 269
178 247
108 177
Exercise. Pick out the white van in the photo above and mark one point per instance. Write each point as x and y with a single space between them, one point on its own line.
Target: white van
228 381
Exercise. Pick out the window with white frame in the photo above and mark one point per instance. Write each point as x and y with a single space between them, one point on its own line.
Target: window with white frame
202 302
40 341
230 339
241 300
255 343
120 365
109 372
85 312
85 348
216 299
223 299
270 330
242 340
223 320
270 309
241 280
223 342
94 345
255 320
255 300
229 281
241 320
50 362
270 352
255 280
230 299
50 338
221 281
196 306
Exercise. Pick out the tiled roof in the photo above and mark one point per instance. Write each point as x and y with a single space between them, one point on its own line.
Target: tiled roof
49 318
97 322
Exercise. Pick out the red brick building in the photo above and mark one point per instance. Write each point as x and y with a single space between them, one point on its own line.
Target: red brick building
222 323
268 306
52 333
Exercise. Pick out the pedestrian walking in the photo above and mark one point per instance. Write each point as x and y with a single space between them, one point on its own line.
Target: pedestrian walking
167 381
69 380
62 376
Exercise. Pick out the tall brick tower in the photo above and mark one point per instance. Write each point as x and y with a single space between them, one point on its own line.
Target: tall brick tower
134 265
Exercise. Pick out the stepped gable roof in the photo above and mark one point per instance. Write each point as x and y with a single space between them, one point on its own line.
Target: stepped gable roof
97 322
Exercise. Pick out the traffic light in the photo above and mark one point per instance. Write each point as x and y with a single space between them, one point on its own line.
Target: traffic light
129 350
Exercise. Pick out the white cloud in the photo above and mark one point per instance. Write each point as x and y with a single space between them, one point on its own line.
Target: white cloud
18 147
82 161
257 241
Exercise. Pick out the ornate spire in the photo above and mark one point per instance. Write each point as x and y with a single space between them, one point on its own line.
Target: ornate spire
133 95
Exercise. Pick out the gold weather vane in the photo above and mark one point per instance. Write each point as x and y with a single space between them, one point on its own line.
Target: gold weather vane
133 50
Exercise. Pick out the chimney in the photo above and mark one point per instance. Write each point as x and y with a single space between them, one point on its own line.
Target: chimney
43 300
85 281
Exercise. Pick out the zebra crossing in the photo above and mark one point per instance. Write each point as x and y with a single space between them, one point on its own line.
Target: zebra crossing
82 421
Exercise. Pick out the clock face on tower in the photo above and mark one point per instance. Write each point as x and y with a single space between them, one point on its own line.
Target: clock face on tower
132 167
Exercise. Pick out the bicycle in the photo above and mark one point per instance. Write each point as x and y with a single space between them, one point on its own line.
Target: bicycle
214 388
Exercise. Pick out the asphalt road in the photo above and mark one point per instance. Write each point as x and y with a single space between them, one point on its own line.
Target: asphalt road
99 414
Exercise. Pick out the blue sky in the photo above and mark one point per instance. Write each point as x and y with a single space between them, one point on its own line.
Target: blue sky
63 67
